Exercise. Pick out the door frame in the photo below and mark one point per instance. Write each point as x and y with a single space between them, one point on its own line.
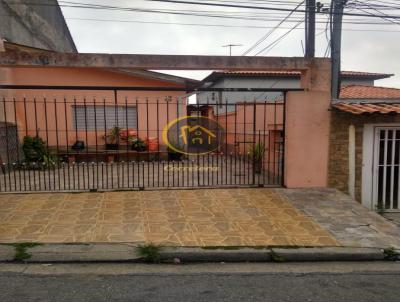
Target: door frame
368 162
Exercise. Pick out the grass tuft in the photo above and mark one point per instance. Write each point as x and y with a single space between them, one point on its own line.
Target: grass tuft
391 254
276 257
150 252
21 250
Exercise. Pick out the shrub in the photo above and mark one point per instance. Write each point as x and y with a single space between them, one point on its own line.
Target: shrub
34 149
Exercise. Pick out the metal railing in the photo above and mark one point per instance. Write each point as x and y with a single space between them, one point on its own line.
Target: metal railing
89 139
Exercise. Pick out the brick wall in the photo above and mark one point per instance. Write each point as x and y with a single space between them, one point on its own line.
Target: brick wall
339 146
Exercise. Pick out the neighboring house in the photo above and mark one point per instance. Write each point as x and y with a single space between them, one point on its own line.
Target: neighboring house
365 145
63 116
266 79
35 23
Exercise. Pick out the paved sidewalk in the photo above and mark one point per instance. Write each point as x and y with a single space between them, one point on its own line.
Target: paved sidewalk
218 217
393 217
213 217
348 221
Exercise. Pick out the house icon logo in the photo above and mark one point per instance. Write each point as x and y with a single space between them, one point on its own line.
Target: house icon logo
193 135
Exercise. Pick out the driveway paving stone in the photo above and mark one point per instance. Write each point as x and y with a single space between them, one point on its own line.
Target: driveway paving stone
217 217
213 217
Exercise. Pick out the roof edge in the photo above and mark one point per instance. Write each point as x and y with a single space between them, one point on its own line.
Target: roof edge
159 76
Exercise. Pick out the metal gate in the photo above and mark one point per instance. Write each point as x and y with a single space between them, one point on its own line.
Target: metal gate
113 140
386 168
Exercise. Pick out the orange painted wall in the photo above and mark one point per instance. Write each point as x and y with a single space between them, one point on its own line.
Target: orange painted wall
30 107
307 139
239 127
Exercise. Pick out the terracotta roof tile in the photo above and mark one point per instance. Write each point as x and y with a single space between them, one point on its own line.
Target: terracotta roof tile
362 74
369 92
367 108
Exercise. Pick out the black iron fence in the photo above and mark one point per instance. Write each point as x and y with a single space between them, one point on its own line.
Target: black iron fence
117 140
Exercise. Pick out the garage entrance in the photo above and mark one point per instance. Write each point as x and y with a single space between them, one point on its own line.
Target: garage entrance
113 138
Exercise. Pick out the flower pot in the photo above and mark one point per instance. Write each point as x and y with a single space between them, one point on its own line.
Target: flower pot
174 156
152 143
258 167
78 145
112 146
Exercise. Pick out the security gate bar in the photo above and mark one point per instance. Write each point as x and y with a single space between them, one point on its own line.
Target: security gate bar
386 172
114 141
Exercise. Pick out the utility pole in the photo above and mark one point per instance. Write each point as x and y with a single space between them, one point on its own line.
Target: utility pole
230 47
310 28
337 7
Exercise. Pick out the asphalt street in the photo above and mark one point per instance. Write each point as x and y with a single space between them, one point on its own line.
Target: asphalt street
200 285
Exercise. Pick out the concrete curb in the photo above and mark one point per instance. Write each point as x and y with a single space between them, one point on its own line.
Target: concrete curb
7 253
217 255
125 252
83 253
329 254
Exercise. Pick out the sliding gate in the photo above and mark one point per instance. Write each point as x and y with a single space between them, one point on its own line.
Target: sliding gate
96 138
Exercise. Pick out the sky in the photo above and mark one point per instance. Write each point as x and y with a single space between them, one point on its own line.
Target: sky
365 47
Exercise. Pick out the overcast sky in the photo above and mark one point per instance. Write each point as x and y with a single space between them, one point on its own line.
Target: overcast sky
373 51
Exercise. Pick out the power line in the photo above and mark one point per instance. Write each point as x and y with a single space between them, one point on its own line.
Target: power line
278 40
263 38
259 7
383 15
213 25
70 4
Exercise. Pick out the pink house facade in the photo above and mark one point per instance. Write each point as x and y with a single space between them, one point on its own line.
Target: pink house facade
61 117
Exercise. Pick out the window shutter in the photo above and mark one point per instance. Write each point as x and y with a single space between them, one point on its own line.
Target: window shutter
100 117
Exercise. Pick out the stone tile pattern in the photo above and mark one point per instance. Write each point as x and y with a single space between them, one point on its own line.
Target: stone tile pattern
393 217
344 218
215 217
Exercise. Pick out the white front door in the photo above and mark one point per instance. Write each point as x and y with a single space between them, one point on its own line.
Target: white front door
386 164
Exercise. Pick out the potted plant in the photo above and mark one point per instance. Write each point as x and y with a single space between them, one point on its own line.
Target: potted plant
112 138
173 155
34 149
36 154
137 144
256 154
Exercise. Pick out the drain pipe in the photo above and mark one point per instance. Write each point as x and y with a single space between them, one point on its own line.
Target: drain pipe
352 161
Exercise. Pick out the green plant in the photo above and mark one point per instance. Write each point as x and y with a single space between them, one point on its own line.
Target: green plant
21 250
113 136
50 161
391 254
34 149
150 252
276 257
380 209
256 153
36 154
137 143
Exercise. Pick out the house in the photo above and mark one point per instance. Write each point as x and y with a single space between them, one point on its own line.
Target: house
127 99
351 143
365 145
267 79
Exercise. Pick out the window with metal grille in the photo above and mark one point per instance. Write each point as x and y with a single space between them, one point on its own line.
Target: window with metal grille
388 168
100 117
